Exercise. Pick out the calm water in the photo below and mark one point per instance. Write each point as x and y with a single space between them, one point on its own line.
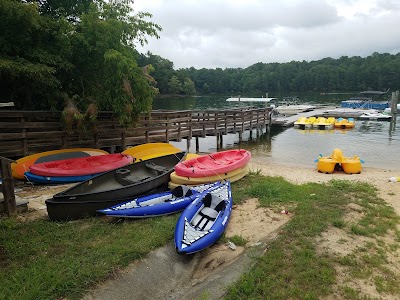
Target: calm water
376 142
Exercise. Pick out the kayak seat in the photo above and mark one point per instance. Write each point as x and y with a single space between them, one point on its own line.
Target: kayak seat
208 214
159 169
182 191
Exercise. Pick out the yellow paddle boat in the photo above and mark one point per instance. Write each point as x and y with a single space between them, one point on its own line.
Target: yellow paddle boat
324 123
350 165
344 123
304 122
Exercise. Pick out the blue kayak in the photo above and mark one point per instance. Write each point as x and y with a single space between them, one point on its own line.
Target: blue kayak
203 222
56 179
158 204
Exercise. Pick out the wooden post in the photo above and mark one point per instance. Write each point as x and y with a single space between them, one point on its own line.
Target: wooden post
7 187
393 103
197 144
123 140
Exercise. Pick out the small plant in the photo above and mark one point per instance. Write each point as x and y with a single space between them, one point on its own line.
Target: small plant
338 223
238 240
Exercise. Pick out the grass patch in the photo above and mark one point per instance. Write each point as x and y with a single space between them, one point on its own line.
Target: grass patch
238 240
49 260
292 268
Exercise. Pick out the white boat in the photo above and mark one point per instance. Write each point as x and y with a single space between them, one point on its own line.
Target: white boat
377 116
348 112
389 110
293 109
240 99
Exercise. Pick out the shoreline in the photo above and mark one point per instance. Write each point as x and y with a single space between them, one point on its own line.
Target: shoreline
389 191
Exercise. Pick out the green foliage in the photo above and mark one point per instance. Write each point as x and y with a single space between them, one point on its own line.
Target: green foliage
175 86
377 72
75 47
188 87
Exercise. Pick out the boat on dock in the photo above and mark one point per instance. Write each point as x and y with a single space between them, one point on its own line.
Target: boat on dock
375 116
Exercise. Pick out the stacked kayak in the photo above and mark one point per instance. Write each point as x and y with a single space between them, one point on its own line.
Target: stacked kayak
113 187
229 165
158 204
204 221
23 164
76 169
344 123
150 150
350 165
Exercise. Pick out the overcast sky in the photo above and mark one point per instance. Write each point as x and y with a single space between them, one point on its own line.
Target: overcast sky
239 33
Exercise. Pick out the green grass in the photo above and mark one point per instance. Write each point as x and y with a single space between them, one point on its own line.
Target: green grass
49 260
292 268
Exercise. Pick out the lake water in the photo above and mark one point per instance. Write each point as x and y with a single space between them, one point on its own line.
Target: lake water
375 142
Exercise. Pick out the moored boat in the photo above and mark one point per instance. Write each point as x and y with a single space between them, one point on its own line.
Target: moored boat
344 123
324 123
113 187
204 221
375 116
214 163
158 204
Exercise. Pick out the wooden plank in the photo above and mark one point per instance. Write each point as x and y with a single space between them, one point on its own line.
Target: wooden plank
7 188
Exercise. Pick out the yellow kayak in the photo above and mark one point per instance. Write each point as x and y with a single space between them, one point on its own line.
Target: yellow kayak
22 165
233 178
150 150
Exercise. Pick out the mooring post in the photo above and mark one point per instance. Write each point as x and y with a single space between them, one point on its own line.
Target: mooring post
197 144
395 100
7 187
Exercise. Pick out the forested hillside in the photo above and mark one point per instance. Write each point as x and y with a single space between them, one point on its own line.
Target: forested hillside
376 72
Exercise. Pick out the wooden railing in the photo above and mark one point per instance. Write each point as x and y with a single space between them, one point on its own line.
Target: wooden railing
26 132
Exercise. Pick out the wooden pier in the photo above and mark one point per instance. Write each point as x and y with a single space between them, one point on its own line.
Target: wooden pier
26 132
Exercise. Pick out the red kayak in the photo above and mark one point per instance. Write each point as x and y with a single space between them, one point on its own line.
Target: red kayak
82 165
214 163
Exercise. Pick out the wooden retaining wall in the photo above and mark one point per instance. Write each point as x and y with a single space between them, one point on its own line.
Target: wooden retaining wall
26 132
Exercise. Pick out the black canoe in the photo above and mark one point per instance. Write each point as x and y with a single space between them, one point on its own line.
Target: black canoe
113 187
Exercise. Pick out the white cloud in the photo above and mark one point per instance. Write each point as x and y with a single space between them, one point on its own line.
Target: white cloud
226 33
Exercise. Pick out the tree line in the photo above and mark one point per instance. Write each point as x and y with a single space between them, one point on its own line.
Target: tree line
80 56
375 72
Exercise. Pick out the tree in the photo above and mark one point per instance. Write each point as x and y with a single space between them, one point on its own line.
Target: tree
75 49
34 51
175 86
188 87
